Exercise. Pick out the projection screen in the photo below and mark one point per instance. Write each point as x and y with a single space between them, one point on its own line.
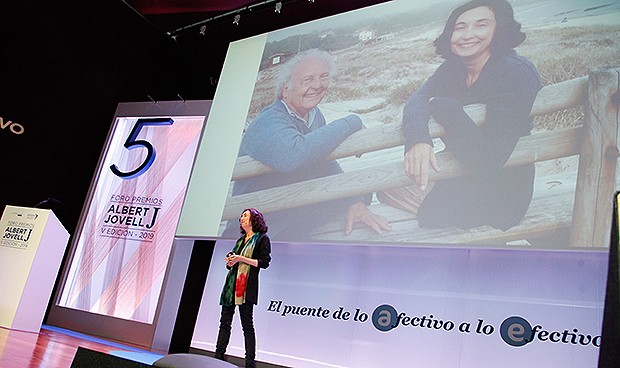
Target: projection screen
383 54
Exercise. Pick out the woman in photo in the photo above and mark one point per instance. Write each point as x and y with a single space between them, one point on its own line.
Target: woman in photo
481 67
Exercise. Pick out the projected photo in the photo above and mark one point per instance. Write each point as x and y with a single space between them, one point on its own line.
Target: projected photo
414 123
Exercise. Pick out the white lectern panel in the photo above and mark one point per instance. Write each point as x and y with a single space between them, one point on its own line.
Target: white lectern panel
32 245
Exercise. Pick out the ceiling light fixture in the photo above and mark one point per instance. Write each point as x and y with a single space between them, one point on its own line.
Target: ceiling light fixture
278 7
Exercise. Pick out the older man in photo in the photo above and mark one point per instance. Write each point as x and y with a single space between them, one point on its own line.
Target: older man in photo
292 137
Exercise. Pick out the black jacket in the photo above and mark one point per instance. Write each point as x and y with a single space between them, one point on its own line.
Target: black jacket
262 252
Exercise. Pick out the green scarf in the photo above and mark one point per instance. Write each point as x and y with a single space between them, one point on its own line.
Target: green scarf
234 289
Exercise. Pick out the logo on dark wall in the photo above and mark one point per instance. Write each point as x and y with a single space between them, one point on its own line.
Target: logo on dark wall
11 127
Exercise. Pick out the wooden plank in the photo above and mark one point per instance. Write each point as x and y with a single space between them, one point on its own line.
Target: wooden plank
597 161
551 98
550 212
538 147
560 96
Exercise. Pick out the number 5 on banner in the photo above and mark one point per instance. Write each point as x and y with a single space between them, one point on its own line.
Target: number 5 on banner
132 143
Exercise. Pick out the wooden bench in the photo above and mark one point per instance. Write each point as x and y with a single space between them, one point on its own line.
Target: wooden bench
581 211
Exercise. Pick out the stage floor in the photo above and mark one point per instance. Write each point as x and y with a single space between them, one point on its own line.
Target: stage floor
53 347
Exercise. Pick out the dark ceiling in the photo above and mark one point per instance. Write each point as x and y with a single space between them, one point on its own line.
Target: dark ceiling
170 15
187 6
179 16
203 52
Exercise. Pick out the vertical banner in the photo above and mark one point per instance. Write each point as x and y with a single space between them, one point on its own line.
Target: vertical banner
128 226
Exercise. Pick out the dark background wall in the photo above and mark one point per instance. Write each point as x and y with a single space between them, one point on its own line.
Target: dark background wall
65 65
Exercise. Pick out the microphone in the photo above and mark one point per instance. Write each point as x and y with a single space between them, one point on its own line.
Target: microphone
48 203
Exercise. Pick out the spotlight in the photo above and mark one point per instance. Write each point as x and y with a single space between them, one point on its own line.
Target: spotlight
278 7
236 20
203 29
311 1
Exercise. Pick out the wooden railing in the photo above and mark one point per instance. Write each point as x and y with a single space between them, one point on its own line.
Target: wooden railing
596 143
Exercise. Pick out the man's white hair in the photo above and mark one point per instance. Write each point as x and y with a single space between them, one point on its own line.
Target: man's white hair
288 68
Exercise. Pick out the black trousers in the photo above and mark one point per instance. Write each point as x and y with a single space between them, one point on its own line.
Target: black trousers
246 312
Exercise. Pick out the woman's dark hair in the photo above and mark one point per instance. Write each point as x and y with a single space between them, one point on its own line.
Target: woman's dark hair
257 220
507 35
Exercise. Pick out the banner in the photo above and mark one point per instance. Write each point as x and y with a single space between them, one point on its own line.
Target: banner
368 306
128 226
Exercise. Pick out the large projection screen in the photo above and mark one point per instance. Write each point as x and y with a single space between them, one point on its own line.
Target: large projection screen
529 294
383 54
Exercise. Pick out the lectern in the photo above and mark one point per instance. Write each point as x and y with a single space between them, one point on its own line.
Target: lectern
32 245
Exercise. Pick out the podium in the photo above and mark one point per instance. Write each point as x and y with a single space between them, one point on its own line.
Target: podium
32 245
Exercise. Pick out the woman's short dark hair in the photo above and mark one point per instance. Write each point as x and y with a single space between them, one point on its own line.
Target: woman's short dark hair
507 35
257 220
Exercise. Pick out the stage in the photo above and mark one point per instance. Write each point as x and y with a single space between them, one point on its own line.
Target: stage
53 347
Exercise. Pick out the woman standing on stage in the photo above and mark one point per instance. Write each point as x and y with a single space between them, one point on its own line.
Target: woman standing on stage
251 253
